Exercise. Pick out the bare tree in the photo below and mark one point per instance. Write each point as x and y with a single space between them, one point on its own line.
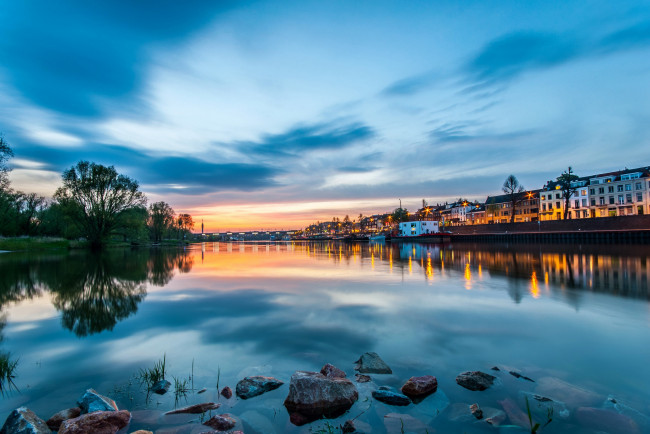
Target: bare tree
569 187
514 190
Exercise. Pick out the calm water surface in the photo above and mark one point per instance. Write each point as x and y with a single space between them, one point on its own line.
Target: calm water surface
576 319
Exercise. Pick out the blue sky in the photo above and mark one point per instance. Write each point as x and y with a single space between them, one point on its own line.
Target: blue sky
291 112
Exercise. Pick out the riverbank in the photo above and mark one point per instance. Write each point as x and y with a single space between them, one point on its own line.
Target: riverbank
21 244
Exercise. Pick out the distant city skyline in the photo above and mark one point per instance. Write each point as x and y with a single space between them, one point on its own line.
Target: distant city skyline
269 115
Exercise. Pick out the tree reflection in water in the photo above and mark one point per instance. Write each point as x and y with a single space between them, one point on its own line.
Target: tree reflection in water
93 291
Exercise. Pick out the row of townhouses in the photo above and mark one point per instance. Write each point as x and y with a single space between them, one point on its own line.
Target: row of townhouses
621 193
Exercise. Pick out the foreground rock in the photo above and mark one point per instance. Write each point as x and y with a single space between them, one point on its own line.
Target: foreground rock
419 387
99 422
222 422
475 380
57 419
92 401
196 408
257 385
476 411
226 392
371 363
161 387
23 421
387 395
312 395
332 371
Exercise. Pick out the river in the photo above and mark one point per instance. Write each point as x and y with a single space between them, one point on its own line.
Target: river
574 319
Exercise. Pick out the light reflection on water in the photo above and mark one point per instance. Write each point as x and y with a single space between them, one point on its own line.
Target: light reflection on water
578 313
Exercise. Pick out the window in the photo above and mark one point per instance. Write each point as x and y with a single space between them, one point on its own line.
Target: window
593 201
639 197
557 195
620 199
583 192
611 200
638 186
557 204
628 198
543 207
576 203
584 202
619 187
601 190
601 201
595 181
592 191
610 189
543 197
628 187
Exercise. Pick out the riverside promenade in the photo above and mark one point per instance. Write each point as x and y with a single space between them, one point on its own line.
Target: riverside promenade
624 229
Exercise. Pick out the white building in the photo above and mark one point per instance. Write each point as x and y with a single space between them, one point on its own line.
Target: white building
417 228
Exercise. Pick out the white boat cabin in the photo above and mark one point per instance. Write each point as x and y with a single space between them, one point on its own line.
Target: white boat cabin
417 228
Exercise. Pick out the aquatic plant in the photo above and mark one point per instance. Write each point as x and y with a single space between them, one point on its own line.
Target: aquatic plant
181 388
151 376
534 428
328 428
7 373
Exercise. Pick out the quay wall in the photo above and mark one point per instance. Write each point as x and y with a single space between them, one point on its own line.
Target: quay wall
623 229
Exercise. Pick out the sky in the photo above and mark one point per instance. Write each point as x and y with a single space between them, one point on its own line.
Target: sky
276 114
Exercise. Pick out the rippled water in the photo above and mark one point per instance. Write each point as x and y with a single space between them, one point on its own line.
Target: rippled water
575 319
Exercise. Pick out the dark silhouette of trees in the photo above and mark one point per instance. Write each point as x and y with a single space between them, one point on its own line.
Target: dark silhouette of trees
161 218
515 192
96 197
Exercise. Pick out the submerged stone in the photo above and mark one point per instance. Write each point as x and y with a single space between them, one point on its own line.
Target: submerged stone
391 397
475 380
476 411
371 363
360 378
312 395
92 401
257 385
226 392
196 408
161 387
518 375
606 420
24 421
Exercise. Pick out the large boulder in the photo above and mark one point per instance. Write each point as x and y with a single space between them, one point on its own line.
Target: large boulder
23 421
418 387
57 419
371 363
92 401
312 395
98 422
196 408
254 386
475 380
222 422
389 396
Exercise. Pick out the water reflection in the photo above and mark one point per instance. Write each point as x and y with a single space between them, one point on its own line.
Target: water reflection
93 291
616 269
